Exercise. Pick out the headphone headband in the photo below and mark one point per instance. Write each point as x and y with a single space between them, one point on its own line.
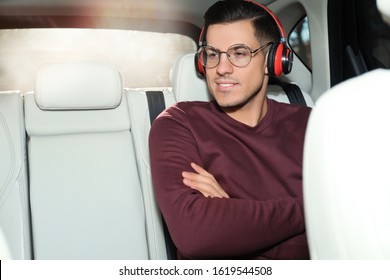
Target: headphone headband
201 41
276 20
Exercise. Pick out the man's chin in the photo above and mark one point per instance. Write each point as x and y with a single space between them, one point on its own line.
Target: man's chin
230 106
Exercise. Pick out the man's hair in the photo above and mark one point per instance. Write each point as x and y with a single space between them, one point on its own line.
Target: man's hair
230 11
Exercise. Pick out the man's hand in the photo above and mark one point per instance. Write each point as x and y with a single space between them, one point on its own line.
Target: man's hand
203 182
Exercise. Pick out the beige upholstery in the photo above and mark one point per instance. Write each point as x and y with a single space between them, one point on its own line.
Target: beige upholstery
86 198
14 205
346 171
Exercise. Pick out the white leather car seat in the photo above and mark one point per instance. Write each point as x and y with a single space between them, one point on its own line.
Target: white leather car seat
188 86
5 252
346 170
86 198
14 201
141 119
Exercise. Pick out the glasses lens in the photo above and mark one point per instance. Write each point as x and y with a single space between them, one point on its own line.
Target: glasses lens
239 55
208 56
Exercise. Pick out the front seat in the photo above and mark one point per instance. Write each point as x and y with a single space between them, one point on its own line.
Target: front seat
347 171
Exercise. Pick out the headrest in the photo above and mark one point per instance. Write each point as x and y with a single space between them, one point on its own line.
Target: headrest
187 86
78 86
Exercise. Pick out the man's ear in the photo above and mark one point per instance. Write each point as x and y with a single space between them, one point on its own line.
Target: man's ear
266 64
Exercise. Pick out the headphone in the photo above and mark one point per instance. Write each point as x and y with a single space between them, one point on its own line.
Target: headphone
280 56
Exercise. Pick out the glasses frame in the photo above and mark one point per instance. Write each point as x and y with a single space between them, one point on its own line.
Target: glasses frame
203 61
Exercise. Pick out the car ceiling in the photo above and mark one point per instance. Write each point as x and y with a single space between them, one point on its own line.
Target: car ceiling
188 11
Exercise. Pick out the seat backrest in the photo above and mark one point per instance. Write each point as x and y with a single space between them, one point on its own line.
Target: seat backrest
188 86
86 198
346 171
14 202
141 119
5 250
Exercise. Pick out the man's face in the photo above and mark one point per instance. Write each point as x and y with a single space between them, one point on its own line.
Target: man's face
232 86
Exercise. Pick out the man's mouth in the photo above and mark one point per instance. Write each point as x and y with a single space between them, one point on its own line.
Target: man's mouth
226 84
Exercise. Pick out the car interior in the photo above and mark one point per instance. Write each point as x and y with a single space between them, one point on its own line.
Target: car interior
81 83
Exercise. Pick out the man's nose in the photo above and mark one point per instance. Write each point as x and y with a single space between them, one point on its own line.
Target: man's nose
224 66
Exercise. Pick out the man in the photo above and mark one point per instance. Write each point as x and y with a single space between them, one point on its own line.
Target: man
228 173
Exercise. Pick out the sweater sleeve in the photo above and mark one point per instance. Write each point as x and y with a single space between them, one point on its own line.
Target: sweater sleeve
213 227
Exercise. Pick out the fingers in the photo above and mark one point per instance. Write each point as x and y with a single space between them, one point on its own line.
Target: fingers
204 182
200 170
206 186
204 190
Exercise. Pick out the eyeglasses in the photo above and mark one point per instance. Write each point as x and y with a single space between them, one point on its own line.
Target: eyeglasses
239 55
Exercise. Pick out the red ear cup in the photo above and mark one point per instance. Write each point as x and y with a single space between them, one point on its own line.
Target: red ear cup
280 56
288 59
280 59
199 61
200 57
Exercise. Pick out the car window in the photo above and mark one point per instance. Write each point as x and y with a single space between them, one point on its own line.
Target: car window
374 35
143 58
299 41
359 39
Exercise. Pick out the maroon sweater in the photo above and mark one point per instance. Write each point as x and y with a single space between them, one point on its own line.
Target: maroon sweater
259 167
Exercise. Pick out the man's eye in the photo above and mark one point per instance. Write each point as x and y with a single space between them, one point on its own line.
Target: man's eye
212 55
240 53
